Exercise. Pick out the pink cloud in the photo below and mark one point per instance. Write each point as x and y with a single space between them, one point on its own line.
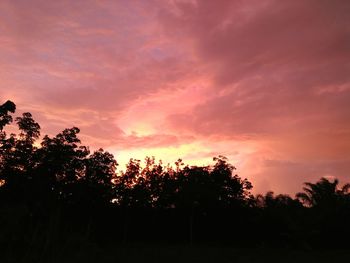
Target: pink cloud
271 61
268 78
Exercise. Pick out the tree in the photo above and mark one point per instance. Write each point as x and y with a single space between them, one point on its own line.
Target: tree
61 162
18 157
30 129
6 144
5 117
324 193
100 170
230 188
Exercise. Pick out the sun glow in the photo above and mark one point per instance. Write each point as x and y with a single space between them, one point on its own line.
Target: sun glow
168 155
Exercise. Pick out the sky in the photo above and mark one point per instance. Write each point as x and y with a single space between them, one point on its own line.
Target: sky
265 83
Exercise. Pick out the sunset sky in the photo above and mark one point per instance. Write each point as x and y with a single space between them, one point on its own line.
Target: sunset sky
265 83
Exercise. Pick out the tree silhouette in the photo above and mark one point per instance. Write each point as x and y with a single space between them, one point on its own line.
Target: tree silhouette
323 193
5 117
100 170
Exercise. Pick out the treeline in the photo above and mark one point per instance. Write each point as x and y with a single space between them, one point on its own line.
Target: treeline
56 195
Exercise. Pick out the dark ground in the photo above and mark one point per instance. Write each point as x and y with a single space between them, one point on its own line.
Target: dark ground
180 254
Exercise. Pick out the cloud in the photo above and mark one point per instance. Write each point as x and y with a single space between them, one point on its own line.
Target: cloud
256 81
280 78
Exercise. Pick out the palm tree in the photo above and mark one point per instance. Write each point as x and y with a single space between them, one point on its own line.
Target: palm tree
323 193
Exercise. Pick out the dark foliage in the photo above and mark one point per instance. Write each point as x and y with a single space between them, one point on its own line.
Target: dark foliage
57 196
